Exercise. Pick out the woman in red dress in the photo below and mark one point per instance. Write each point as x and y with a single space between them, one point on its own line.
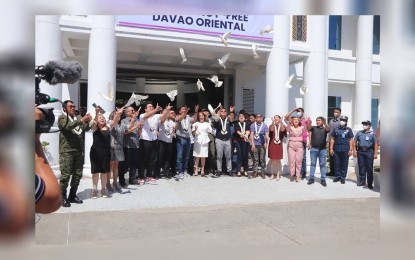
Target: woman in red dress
277 132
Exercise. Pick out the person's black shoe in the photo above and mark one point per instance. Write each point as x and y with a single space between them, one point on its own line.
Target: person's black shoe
310 181
360 184
75 199
133 182
343 181
303 175
337 179
323 182
370 187
65 202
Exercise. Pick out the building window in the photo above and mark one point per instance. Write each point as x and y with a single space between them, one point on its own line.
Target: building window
248 100
375 114
333 102
376 34
299 28
335 32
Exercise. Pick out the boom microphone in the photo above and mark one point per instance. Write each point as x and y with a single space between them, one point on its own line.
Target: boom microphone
55 72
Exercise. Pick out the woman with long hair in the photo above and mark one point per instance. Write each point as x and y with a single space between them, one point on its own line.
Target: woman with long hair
275 149
100 154
201 130
117 153
242 131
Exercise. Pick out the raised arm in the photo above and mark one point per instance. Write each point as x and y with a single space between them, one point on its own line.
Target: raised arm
165 113
326 126
287 116
151 113
196 112
117 117
232 113
182 116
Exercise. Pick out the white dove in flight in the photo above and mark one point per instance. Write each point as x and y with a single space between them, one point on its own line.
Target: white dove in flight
303 90
135 98
110 93
183 55
172 95
223 60
288 81
254 48
200 85
216 80
224 38
212 111
267 29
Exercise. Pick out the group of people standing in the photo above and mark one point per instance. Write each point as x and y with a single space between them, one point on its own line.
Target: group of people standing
176 144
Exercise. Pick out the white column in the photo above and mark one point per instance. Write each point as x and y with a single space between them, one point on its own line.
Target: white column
71 92
48 39
315 67
363 90
276 94
102 65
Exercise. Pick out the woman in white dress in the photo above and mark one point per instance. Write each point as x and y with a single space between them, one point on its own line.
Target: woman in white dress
200 130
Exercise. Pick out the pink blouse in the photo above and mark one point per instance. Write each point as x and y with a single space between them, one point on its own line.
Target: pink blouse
296 133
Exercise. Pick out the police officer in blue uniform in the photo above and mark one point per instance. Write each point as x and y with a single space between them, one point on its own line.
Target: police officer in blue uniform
366 150
341 147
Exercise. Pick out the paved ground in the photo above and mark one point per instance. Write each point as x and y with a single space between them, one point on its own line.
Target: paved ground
323 222
218 210
204 191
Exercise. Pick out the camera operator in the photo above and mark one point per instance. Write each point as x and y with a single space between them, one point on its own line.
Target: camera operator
48 199
71 150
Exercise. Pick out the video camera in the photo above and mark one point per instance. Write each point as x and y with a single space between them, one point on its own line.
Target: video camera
53 72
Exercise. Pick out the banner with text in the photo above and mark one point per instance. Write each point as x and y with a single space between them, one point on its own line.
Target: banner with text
241 26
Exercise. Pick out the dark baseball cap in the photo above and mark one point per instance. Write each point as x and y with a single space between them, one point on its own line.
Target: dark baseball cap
367 122
344 118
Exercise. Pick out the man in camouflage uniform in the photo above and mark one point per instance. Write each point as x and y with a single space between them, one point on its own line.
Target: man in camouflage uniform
71 150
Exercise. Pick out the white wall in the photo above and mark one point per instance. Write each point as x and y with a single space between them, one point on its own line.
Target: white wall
250 79
343 70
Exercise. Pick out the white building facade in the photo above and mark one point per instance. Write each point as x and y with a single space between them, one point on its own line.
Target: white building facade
336 57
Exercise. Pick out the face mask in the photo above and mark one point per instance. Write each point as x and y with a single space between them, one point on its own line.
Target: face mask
342 123
299 114
336 114
366 127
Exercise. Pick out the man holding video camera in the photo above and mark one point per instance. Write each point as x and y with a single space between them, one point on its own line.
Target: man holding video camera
71 150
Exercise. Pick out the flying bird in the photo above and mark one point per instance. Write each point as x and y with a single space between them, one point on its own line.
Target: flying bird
216 80
200 85
224 38
135 98
183 55
110 93
303 90
267 29
223 60
254 48
288 81
172 95
212 111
